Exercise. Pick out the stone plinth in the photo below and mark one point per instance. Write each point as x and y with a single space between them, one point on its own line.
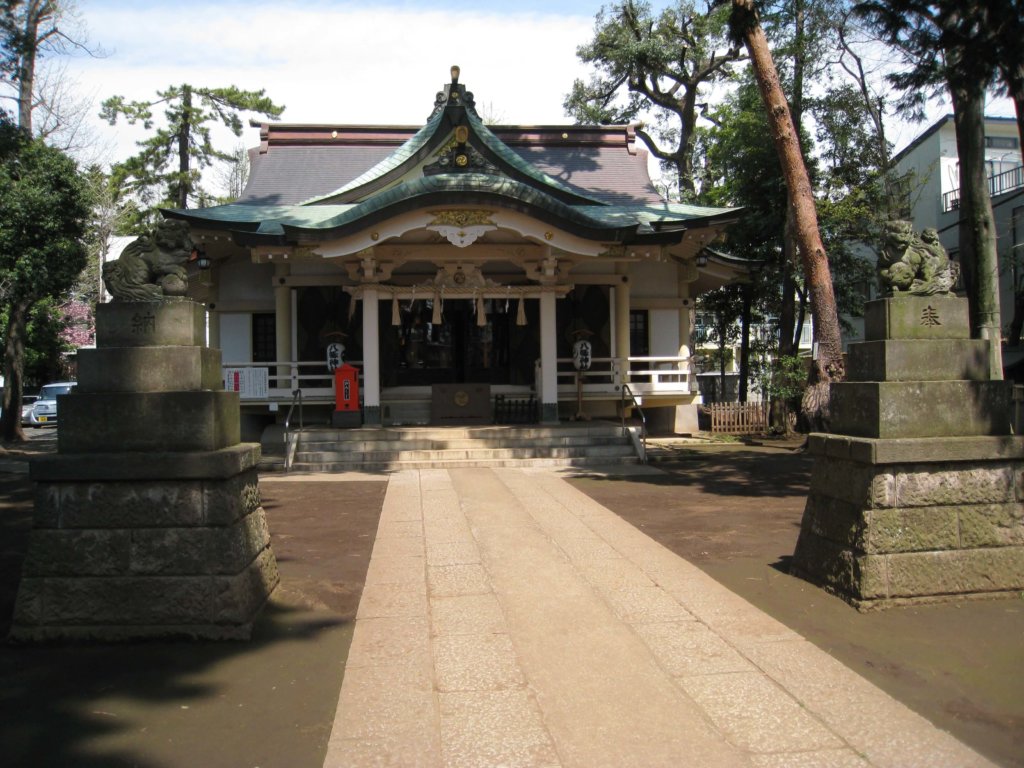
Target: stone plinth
897 521
148 520
897 409
917 317
919 494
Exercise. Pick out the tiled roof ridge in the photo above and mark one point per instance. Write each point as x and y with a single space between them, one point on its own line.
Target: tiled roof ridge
328 134
454 119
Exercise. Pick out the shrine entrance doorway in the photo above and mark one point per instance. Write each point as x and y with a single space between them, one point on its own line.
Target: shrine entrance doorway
463 348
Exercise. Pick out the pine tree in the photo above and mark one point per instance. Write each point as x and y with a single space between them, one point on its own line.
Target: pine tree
828 365
955 45
170 162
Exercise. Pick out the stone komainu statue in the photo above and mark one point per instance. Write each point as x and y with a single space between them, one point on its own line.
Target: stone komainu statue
914 264
152 267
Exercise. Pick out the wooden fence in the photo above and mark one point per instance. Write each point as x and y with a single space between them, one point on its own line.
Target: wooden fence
737 418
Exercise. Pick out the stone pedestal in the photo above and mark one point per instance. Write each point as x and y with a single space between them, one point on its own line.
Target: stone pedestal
917 495
147 520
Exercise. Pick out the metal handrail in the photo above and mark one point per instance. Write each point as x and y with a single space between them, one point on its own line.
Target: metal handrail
998 184
643 419
289 443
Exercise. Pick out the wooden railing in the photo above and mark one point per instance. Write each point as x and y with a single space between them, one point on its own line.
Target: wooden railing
737 418
646 376
277 381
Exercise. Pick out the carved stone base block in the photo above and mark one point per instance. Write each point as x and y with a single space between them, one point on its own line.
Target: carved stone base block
918 496
148 521
890 522
143 556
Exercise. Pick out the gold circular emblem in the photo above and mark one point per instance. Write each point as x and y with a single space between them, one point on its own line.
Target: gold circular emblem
461 398
460 276
461 134
461 160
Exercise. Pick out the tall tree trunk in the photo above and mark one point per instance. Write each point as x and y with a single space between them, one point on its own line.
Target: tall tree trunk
14 365
183 154
977 231
722 335
787 323
748 297
27 64
828 365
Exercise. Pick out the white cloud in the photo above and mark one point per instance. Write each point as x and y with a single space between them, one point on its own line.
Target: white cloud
327 63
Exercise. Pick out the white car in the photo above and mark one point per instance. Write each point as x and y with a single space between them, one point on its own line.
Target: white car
27 401
44 410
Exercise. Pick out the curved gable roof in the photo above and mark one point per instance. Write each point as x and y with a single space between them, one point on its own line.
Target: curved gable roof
312 183
439 133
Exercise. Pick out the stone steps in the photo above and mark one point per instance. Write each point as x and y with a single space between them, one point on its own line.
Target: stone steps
336 450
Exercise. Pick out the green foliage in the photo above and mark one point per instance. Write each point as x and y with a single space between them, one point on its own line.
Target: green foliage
952 43
169 165
45 349
742 168
658 66
782 377
721 307
957 46
46 207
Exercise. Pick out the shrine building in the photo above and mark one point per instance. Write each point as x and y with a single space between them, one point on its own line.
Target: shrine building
455 255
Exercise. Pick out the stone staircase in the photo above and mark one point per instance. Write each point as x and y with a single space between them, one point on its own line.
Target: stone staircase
322 449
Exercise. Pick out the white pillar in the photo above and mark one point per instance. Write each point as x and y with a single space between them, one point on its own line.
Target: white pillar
686 414
213 328
622 313
685 319
371 358
548 359
212 315
282 322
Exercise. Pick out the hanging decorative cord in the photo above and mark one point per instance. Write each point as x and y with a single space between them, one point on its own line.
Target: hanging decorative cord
438 302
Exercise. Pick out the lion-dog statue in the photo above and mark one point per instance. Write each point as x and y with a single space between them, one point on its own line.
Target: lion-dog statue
152 267
914 264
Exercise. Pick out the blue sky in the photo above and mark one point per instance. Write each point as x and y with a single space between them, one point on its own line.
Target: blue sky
346 62
339 61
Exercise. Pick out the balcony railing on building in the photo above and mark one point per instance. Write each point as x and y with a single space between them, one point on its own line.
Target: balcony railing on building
998 184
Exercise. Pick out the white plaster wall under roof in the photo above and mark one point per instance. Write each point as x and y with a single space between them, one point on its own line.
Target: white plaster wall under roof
654 279
244 282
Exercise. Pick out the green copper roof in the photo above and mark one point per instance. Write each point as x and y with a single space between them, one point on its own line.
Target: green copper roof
408 152
603 222
455 110
468 165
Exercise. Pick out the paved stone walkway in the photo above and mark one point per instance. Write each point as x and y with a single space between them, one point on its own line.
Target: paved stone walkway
509 620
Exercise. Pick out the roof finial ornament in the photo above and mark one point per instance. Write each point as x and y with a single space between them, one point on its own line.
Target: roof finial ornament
454 94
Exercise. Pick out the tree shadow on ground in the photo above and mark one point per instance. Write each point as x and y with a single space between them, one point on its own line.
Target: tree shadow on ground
731 473
71 704
159 703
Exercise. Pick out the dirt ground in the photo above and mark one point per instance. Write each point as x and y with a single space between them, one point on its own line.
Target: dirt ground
732 510
735 512
269 702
